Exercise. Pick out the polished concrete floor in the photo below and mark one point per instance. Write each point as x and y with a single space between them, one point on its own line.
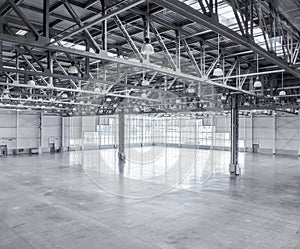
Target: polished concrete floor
164 198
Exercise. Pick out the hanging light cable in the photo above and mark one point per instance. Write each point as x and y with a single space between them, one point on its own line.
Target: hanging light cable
147 47
218 70
282 92
257 83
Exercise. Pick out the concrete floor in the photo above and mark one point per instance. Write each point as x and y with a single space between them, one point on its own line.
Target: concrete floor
50 201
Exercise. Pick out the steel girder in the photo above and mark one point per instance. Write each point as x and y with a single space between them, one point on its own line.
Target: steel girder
214 25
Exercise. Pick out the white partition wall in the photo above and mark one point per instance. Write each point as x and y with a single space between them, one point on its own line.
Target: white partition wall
22 132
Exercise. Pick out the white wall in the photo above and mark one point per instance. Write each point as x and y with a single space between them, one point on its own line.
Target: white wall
283 138
20 130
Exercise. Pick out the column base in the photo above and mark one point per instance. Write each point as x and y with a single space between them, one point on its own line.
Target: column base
235 169
40 150
122 156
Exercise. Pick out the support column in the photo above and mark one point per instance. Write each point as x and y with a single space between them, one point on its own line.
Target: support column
121 146
299 134
41 134
251 132
62 134
234 166
274 133
17 131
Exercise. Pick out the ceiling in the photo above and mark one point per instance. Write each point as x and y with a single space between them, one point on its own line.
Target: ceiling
103 39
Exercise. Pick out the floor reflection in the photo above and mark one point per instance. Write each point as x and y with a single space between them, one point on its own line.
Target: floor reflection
177 167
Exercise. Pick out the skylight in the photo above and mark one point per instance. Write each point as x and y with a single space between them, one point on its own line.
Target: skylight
21 32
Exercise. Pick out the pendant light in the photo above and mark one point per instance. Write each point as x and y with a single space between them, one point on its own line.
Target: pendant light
73 69
31 81
145 81
6 91
97 90
223 97
144 95
282 92
257 83
218 70
147 47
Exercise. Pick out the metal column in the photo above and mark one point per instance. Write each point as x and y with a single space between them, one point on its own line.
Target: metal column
121 146
62 134
234 135
299 134
274 133
41 134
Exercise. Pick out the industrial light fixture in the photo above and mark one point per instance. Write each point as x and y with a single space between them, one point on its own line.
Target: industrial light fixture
97 90
282 92
73 69
108 99
190 90
6 96
147 47
257 83
6 91
218 70
144 95
31 81
223 97
145 82
246 103
64 96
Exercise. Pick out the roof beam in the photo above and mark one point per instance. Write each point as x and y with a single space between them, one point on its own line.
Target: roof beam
199 18
98 19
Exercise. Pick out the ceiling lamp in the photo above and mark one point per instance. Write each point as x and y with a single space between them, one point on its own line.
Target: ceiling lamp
246 103
190 90
147 48
6 91
144 95
145 82
223 97
97 90
257 83
31 82
108 99
282 92
64 96
218 70
73 69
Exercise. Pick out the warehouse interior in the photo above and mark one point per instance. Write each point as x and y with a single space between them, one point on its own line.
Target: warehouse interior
149 124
